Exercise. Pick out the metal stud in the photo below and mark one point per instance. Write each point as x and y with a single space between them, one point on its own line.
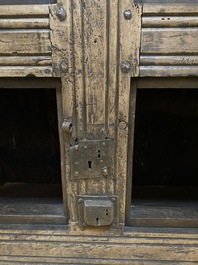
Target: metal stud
127 14
61 14
126 67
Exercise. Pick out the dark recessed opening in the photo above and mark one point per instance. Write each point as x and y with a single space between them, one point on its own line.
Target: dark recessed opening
30 173
165 161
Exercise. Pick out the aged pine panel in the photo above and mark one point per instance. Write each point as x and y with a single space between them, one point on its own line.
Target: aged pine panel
95 88
170 8
24 11
25 41
137 246
25 45
24 23
169 40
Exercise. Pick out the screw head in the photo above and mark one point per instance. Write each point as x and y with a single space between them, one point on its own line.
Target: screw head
76 174
127 14
85 147
103 144
113 199
126 67
61 14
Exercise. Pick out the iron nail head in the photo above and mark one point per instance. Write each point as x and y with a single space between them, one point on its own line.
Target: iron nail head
128 14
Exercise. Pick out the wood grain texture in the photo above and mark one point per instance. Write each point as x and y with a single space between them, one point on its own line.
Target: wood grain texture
25 45
169 41
160 71
96 90
129 52
169 21
170 8
24 23
25 42
169 60
24 11
53 245
25 71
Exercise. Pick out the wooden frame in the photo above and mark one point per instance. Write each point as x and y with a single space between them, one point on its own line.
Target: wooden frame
95 48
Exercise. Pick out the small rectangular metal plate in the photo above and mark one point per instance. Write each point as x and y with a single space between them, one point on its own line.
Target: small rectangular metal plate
91 159
98 212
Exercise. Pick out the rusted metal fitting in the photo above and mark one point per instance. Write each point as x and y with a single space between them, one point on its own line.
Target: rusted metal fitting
67 126
127 14
61 14
64 67
126 67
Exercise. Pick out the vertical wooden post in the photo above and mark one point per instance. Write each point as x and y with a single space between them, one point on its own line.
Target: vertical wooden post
96 52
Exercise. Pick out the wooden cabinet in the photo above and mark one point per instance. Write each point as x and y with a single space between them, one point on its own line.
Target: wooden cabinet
105 63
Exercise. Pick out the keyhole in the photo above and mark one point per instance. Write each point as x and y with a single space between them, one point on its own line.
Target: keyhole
99 156
97 220
89 165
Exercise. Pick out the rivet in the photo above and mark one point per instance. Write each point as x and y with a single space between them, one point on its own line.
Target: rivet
101 161
113 199
85 147
104 171
126 67
128 14
61 14
103 144
76 174
64 67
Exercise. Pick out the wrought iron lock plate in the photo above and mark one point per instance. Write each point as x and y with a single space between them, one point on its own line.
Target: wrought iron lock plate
96 211
92 159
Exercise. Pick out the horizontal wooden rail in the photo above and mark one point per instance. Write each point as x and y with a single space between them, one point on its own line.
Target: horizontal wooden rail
23 71
25 60
24 11
169 60
24 23
168 71
169 21
169 41
182 8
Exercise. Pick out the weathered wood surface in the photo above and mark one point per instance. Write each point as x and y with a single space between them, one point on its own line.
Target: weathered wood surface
25 41
169 40
53 245
95 91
